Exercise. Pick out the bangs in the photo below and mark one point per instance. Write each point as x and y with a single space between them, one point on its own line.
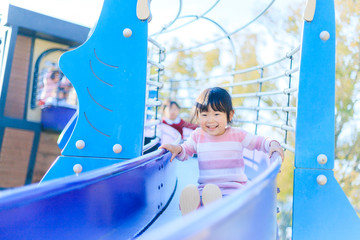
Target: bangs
216 98
212 102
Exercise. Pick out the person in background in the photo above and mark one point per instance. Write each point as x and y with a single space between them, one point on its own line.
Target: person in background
171 118
50 90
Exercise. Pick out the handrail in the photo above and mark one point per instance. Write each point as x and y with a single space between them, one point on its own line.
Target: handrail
288 147
151 144
229 34
257 94
246 70
154 83
155 43
155 64
152 123
276 125
153 103
185 24
172 22
284 109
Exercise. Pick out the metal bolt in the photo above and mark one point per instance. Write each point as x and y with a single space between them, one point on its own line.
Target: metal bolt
80 144
321 180
77 169
127 32
324 35
117 148
322 159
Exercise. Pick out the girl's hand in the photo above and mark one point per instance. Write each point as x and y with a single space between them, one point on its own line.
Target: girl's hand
174 149
276 147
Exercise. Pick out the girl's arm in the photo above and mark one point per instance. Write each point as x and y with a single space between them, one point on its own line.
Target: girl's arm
267 145
174 149
183 151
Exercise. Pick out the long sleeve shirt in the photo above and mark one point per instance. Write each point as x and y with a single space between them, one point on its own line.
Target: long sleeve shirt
220 158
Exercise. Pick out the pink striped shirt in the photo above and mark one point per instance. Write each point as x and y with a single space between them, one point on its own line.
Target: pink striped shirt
220 158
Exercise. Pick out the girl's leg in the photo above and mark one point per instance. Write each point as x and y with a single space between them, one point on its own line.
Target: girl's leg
189 199
210 193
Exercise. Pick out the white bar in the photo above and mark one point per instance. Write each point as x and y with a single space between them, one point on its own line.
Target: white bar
151 144
258 94
156 76
286 73
260 80
287 128
154 83
158 65
291 149
153 103
291 71
292 52
155 43
284 109
152 123
150 112
282 126
229 34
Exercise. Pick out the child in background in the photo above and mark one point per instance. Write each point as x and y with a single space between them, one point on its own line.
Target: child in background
51 83
172 118
219 148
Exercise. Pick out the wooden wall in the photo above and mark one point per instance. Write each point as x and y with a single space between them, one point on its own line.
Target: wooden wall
16 93
47 152
14 157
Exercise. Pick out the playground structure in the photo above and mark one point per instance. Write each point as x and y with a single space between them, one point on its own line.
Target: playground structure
320 210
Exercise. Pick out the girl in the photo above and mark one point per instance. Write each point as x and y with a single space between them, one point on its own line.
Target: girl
172 110
219 148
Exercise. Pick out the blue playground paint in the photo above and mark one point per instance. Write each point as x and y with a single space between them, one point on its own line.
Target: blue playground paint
103 70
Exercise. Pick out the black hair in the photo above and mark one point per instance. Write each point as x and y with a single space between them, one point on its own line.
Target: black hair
217 98
170 103
52 76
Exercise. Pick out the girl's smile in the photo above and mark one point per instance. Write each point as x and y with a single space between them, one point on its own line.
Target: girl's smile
213 122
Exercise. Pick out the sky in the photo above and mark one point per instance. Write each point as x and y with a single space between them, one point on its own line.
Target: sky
231 14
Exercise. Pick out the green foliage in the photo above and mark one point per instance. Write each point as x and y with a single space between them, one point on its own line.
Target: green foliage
347 137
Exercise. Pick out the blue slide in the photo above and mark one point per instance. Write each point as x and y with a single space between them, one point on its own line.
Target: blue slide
139 198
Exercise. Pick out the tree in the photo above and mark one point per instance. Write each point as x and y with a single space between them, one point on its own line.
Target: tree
347 136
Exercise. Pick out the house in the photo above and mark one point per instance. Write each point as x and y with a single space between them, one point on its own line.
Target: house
31 44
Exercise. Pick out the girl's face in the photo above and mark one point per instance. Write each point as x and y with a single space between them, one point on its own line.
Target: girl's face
214 122
173 112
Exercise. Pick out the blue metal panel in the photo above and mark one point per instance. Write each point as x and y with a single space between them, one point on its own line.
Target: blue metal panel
109 203
319 212
102 72
322 212
316 98
63 166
